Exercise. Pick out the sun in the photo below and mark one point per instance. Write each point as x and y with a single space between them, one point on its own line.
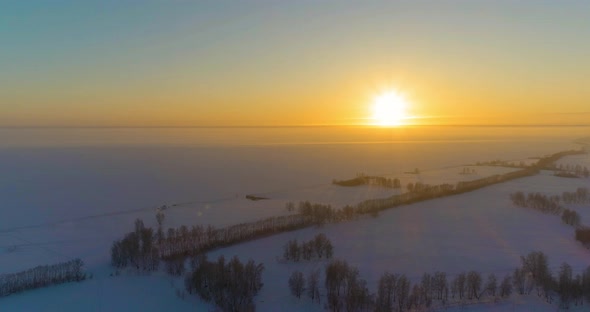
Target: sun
389 109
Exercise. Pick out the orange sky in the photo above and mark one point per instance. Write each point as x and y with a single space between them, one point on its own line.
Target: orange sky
102 63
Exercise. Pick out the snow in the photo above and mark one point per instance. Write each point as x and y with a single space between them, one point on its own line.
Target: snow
156 292
481 230
72 197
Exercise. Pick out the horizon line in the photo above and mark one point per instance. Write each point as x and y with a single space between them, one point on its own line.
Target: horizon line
295 126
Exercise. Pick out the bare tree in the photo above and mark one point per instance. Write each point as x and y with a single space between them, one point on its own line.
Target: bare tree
519 279
491 285
297 283
440 285
426 287
565 285
313 285
473 284
506 286
386 292
458 286
402 292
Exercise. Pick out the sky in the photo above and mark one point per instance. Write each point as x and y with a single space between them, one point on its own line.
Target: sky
277 63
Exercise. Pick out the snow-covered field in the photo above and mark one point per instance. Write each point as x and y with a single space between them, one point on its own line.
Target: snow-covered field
481 230
65 202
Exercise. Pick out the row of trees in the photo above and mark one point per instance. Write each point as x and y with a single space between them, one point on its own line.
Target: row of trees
538 201
231 285
396 292
419 192
580 196
503 163
548 204
317 248
345 291
551 203
549 161
142 248
362 179
42 276
572 171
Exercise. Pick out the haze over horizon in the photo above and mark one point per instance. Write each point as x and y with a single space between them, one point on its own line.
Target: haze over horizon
284 63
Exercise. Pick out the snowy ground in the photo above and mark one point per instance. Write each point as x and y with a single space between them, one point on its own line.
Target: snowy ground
480 230
65 219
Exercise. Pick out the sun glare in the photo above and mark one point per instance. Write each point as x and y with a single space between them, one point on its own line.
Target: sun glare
389 109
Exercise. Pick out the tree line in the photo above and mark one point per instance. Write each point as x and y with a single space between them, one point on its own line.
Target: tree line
537 201
318 248
231 285
571 171
420 192
580 196
503 163
363 179
42 276
549 204
346 291
141 248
